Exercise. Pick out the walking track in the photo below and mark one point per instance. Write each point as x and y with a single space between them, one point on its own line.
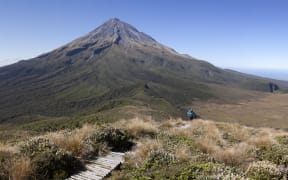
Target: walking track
100 168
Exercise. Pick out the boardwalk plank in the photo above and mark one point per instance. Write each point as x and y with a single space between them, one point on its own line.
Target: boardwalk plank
92 175
100 168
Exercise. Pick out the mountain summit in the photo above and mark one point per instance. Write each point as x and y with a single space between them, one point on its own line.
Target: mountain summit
118 32
115 69
115 32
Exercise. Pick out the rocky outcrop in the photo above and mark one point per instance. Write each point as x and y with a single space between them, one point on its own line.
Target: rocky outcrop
273 87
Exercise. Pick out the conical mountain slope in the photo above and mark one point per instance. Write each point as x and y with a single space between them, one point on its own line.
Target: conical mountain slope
114 68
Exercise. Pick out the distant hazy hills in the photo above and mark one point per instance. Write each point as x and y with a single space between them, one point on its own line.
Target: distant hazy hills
268 73
116 69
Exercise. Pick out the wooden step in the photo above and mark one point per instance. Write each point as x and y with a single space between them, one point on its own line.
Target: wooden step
99 168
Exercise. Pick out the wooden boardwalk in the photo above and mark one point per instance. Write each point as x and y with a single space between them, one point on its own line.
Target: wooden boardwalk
100 168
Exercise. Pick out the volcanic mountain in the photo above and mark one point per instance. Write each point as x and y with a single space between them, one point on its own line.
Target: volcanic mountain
112 71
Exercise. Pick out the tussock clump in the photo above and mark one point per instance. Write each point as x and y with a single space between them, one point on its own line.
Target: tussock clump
142 150
264 137
69 142
7 153
5 148
20 168
139 127
183 153
73 141
198 130
172 123
85 131
234 132
233 156
207 145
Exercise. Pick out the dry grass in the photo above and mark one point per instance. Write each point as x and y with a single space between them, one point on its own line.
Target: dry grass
233 156
207 145
236 131
143 149
20 169
269 110
198 128
5 148
264 137
85 131
139 127
172 123
73 141
183 153
226 142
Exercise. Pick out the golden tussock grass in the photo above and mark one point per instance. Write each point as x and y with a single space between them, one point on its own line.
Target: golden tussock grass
207 145
236 131
85 131
143 149
20 169
5 148
139 127
183 153
232 156
201 128
263 137
172 123
73 141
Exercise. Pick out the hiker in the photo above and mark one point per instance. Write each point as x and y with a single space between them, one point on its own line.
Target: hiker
190 114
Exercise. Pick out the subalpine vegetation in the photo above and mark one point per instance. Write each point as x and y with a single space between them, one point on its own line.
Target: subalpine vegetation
171 149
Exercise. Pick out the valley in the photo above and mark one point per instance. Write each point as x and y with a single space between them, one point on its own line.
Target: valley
268 110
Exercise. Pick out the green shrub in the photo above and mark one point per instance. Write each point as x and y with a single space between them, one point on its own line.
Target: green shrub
37 146
277 154
172 141
282 139
95 148
59 165
116 139
195 170
4 171
49 161
263 170
158 159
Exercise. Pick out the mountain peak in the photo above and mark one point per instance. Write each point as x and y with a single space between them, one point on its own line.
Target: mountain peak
115 31
114 20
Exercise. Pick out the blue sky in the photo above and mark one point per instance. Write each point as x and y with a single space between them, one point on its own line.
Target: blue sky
228 33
